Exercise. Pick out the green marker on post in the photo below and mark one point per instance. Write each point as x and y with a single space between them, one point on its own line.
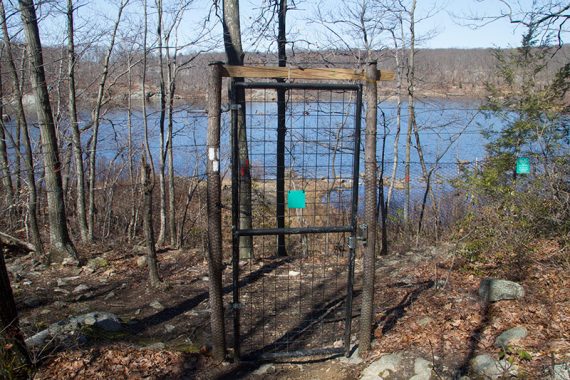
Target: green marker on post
296 199
523 165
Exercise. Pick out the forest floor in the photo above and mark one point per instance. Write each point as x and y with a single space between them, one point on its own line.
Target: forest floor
426 304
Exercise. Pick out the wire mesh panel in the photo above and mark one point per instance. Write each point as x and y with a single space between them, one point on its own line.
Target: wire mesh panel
293 276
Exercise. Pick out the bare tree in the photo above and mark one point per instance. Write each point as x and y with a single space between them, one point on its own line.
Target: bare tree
95 116
147 168
59 235
7 188
235 56
161 125
22 126
74 124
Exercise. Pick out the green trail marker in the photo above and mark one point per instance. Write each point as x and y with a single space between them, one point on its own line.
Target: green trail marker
296 199
523 165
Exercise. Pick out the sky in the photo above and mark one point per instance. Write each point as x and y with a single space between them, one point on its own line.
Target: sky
446 24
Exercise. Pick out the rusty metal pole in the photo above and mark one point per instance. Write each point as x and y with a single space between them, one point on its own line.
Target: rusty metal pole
370 183
215 263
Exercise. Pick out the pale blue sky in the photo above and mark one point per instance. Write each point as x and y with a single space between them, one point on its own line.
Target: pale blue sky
448 21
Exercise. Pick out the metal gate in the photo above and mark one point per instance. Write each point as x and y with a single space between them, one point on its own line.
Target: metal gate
293 284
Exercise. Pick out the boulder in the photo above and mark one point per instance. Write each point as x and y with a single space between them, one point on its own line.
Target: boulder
492 290
489 368
422 369
80 288
385 366
156 305
561 371
97 263
61 330
511 336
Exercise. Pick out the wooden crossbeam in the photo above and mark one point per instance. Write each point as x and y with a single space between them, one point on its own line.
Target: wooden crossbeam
301 73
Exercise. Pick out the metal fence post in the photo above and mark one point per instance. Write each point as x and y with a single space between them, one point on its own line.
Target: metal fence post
214 214
370 183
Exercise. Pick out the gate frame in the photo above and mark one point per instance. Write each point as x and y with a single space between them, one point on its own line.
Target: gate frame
369 77
352 228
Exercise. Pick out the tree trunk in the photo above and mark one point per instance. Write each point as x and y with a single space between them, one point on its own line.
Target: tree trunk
22 125
96 114
162 119
4 165
215 253
370 216
281 129
147 171
396 157
132 220
235 56
147 185
76 133
411 110
13 340
59 235
171 79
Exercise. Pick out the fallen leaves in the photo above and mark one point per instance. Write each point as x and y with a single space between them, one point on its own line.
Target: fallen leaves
117 361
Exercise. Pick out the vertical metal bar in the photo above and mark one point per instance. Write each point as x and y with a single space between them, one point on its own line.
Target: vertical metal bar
281 131
370 183
354 221
280 186
214 214
235 161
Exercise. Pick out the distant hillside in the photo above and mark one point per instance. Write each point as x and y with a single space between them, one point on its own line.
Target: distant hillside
440 72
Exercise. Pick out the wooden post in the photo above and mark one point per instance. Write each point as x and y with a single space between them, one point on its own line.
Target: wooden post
370 182
214 214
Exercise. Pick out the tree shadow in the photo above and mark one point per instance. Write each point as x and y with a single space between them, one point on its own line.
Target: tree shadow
474 340
174 311
394 314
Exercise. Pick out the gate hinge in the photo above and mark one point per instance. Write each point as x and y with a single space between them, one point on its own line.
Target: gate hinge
235 107
351 244
362 233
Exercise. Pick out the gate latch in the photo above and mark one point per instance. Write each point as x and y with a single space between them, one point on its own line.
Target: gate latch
236 305
362 233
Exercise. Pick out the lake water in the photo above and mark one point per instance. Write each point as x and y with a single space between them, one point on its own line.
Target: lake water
450 132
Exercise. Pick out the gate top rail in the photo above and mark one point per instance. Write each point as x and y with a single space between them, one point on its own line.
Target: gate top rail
301 73
300 86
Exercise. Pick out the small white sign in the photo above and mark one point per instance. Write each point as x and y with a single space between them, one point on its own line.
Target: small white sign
212 154
216 166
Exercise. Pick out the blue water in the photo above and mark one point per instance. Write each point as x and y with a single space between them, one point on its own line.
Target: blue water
450 131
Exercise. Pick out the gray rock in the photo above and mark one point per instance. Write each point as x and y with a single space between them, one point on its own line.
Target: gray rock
262 370
141 261
97 263
511 336
90 321
61 330
425 321
169 328
107 322
422 369
80 288
484 365
561 371
156 305
492 290
353 359
385 366
63 260
109 296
